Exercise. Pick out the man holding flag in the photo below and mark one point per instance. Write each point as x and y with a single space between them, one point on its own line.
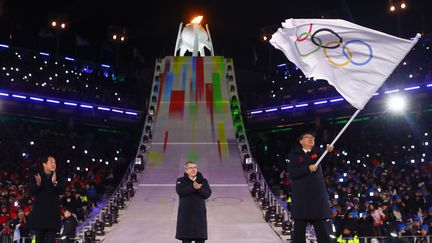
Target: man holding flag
310 203
354 59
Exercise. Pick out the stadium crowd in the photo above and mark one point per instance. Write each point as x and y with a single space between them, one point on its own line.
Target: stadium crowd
65 78
90 160
379 178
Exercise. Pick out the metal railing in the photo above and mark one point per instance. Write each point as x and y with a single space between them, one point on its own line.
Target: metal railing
252 166
5 238
89 224
387 239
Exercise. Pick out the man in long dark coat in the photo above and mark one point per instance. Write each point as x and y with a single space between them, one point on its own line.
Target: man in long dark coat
45 216
193 189
310 202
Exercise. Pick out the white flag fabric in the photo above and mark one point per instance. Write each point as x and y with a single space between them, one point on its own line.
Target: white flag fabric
354 59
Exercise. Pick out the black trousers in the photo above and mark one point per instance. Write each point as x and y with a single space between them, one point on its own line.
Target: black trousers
45 236
320 230
190 241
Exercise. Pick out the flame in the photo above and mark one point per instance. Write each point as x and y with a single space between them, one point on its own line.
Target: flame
197 19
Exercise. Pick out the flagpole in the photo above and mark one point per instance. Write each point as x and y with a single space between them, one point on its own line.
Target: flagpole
338 136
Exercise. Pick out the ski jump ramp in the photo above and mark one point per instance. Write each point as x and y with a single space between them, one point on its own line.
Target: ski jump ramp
192 121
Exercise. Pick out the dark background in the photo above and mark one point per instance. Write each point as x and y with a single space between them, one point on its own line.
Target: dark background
236 26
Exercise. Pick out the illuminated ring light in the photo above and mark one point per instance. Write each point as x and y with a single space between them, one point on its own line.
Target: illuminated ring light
226 200
310 52
349 56
339 43
160 200
344 48
307 34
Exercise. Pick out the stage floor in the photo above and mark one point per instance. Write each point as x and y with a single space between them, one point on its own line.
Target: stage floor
231 213
191 124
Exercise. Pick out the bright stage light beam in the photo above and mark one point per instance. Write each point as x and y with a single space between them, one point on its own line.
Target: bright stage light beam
396 103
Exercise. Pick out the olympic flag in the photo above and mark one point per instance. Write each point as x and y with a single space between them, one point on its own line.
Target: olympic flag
354 59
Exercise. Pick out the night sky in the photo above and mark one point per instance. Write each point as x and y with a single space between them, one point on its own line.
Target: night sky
236 26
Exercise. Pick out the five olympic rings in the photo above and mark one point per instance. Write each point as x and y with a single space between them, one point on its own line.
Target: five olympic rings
332 45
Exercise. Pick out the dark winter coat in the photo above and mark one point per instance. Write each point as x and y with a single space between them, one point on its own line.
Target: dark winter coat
46 212
69 229
192 212
309 194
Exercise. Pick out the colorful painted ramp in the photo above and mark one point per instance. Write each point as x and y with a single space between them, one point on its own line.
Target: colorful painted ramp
192 122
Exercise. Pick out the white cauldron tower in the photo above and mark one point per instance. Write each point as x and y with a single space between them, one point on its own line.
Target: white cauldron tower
193 38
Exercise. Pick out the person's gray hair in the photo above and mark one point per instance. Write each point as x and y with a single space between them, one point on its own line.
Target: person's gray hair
189 162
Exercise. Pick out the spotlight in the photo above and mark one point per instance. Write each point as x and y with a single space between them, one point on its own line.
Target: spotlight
120 203
125 194
244 148
139 166
255 189
252 177
396 103
130 189
89 236
270 214
133 177
99 227
279 220
392 8
261 195
403 6
286 227
248 160
147 129
107 219
129 185
265 203
112 210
